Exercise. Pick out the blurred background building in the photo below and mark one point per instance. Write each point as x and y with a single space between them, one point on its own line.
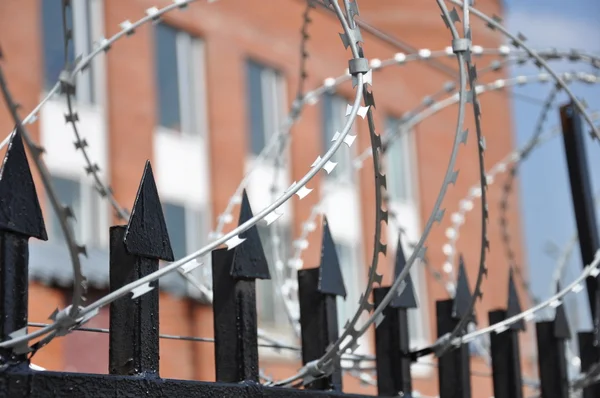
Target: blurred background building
200 94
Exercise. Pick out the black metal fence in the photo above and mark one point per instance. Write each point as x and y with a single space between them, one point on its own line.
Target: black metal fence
135 251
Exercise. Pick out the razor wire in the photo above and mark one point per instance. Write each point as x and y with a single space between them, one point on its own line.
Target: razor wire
465 43
415 117
350 335
225 217
445 342
355 109
230 239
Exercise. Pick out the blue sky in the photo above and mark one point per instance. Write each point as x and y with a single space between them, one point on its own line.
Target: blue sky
547 213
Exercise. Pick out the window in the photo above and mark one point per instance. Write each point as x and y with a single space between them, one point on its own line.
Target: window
334 118
84 202
185 229
398 163
69 194
179 73
78 17
271 309
266 104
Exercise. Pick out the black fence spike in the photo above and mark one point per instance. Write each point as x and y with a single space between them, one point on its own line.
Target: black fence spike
561 324
234 274
506 359
249 260
596 321
406 299
134 325
392 348
552 362
319 327
582 195
331 280
454 366
514 307
462 297
146 234
21 212
20 219
589 353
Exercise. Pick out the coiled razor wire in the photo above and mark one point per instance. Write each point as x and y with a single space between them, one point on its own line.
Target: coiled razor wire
445 343
231 239
350 334
411 120
294 190
512 160
399 58
515 158
428 102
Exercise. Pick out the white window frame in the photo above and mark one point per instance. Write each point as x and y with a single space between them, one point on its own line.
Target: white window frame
93 222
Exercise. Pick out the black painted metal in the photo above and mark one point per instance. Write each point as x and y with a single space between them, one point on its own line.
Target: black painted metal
317 291
561 323
506 360
391 350
146 234
406 299
234 303
514 306
589 353
250 260
581 193
330 278
454 368
234 312
21 212
554 382
135 250
31 384
133 337
462 298
20 219
318 321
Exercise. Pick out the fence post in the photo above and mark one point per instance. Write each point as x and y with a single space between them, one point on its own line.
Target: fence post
135 250
551 338
392 337
581 193
506 358
317 291
454 367
589 353
234 273
20 219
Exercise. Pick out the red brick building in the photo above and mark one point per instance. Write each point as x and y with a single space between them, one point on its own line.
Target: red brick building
200 95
